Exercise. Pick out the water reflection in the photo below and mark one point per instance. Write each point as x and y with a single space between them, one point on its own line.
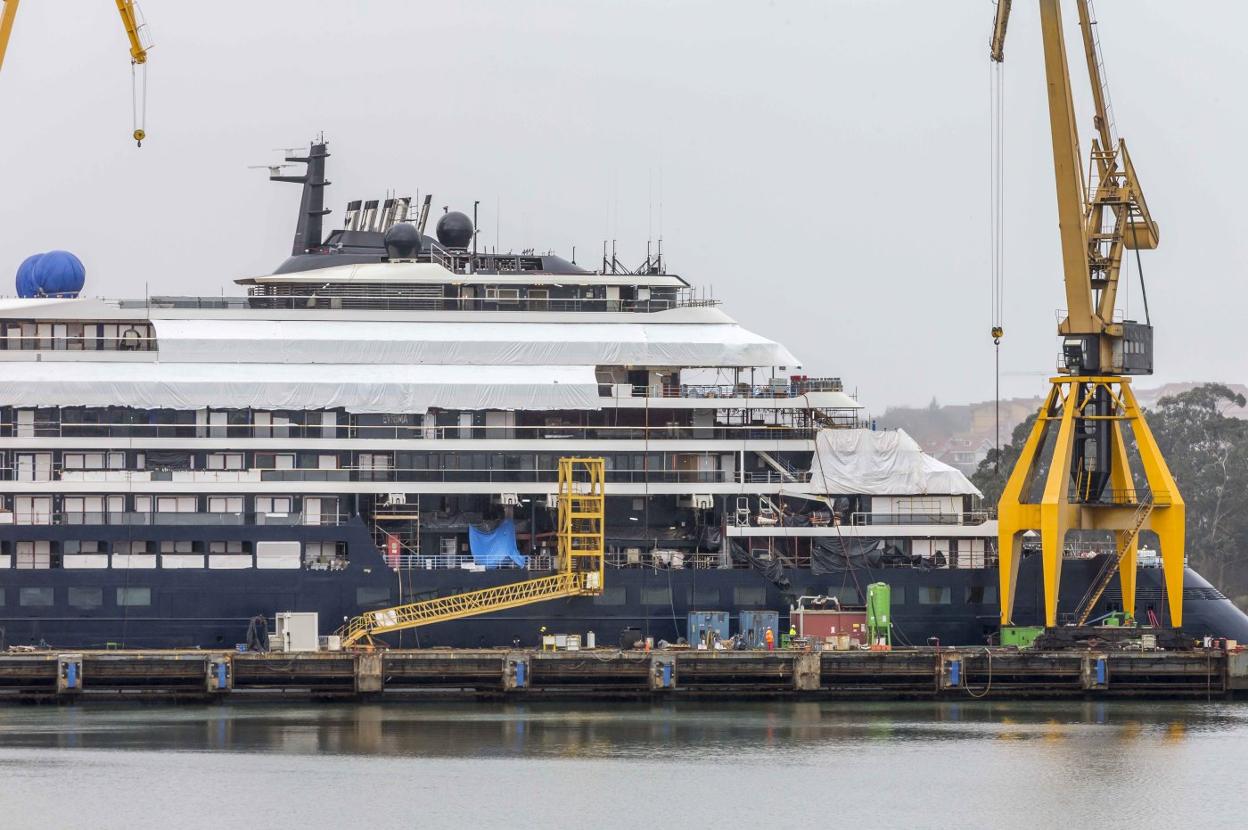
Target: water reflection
629 731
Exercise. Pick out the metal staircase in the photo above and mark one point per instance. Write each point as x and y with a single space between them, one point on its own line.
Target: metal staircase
580 565
1126 539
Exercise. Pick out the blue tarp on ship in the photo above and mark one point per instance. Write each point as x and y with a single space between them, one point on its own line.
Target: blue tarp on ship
495 548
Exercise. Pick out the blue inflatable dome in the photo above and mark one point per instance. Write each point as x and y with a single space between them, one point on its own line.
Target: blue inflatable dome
54 274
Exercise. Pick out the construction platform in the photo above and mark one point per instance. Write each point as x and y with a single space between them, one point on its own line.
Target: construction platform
947 673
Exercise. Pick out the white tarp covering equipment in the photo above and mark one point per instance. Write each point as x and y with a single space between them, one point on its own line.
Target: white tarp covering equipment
881 463
471 342
356 388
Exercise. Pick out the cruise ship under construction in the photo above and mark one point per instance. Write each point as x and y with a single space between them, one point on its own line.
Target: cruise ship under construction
380 421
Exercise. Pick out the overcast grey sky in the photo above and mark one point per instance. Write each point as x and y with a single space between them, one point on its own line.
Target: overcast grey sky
823 164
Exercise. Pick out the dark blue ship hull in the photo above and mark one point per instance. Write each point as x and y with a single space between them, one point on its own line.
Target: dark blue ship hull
211 608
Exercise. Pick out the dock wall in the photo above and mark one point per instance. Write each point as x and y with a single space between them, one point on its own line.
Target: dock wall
517 674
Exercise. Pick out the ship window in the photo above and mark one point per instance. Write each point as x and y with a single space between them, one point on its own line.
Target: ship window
324 555
225 461
33 556
227 547
934 595
707 597
657 595
175 504
35 597
84 461
86 597
225 504
846 594
77 546
273 504
749 595
275 461
368 595
981 594
135 546
612 595
181 546
134 596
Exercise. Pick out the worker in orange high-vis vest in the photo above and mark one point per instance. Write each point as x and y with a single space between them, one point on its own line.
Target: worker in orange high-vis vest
770 637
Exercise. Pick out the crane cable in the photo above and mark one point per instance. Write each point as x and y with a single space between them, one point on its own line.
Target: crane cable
996 200
138 100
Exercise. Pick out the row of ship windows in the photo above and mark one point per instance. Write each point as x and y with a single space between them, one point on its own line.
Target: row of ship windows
26 335
85 422
81 597
122 509
141 553
38 466
89 597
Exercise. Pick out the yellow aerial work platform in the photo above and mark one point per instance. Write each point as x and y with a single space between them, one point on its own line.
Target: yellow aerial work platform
579 570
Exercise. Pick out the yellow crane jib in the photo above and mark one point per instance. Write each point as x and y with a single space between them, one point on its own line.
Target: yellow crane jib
580 565
1089 484
132 20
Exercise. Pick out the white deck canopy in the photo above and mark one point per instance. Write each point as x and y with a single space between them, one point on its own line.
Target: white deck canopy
357 388
881 463
488 343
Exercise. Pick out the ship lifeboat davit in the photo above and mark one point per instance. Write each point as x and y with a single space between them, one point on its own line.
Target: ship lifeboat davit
51 274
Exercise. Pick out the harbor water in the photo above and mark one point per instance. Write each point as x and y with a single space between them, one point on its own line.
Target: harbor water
964 765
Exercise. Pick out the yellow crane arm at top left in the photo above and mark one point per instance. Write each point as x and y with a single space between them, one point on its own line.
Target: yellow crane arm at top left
8 11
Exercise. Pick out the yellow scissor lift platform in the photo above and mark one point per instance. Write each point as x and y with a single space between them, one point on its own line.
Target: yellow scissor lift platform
579 570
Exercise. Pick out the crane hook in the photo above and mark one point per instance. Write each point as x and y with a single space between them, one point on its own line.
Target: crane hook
997 334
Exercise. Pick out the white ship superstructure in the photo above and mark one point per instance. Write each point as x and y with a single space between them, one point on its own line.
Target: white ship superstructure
381 418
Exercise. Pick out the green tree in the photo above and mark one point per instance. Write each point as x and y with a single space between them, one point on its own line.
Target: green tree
994 470
1207 452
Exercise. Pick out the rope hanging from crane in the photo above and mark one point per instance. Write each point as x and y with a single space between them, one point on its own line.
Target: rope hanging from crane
996 202
137 32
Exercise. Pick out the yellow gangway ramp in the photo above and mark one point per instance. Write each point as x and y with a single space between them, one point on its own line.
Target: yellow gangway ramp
579 566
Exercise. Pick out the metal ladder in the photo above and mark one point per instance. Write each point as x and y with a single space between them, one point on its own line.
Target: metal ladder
1097 588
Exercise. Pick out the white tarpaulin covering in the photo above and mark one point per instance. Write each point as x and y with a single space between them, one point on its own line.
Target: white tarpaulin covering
469 342
881 463
357 388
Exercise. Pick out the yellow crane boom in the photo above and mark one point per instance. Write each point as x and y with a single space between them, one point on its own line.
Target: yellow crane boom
131 20
579 572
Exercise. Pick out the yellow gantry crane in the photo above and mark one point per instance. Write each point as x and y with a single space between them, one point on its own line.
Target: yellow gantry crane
1089 483
131 18
580 566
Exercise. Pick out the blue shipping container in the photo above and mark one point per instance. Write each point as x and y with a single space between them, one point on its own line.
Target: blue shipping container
754 625
700 622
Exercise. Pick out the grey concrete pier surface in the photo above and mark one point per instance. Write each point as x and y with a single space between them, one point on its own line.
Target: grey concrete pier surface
448 674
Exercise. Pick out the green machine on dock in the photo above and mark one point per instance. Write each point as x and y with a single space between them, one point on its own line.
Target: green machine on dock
1020 636
879 614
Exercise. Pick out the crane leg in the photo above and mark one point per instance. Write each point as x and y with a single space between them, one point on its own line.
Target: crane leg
1015 516
1168 516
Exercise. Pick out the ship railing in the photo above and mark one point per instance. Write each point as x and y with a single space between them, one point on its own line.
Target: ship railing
779 389
61 342
111 517
482 475
259 297
668 559
973 517
413 432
